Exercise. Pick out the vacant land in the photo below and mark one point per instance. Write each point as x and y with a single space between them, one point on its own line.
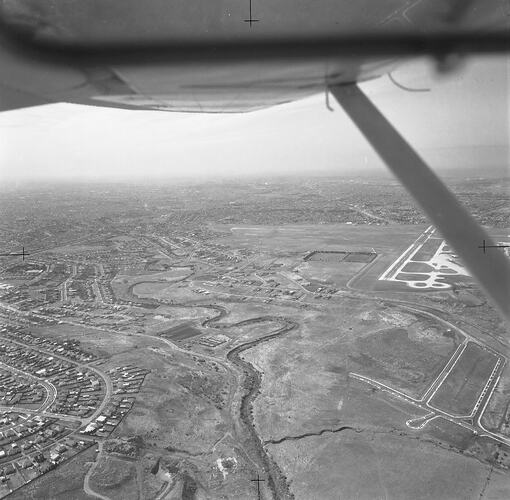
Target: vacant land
124 284
462 387
339 256
401 358
148 289
412 277
181 332
115 478
417 267
361 257
330 256
373 465
392 238
332 273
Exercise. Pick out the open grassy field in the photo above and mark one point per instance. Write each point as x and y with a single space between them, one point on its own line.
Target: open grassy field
63 483
459 392
149 288
116 479
332 237
148 283
370 465
306 374
497 413
417 267
332 273
394 356
412 277
338 438
298 241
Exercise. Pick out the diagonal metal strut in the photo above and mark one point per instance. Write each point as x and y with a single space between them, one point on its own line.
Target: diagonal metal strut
454 222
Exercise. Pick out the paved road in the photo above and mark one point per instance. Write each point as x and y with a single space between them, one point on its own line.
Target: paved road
433 412
86 482
51 390
50 387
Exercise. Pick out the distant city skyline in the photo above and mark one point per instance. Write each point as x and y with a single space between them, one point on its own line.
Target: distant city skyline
462 121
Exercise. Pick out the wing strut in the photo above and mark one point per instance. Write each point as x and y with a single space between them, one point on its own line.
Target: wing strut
459 228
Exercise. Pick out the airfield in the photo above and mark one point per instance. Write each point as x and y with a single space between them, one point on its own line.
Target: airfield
442 377
325 358
425 264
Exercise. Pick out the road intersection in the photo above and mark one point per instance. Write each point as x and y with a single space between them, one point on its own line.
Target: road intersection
472 420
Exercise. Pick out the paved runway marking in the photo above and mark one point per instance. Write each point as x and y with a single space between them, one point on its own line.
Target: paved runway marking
440 262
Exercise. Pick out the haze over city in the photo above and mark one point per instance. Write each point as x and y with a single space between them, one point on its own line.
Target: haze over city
463 121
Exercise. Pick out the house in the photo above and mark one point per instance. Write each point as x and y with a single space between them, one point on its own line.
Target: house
9 469
90 428
61 448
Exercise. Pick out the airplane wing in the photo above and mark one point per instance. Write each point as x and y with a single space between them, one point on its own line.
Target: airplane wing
222 55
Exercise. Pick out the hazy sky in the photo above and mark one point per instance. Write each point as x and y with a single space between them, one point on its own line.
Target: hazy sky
463 120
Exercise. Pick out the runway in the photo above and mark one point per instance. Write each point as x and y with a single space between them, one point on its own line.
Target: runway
442 264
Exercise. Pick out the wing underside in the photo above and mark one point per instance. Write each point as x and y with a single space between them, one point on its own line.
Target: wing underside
204 56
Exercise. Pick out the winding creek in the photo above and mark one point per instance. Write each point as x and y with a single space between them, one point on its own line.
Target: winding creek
251 382
250 379
251 385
